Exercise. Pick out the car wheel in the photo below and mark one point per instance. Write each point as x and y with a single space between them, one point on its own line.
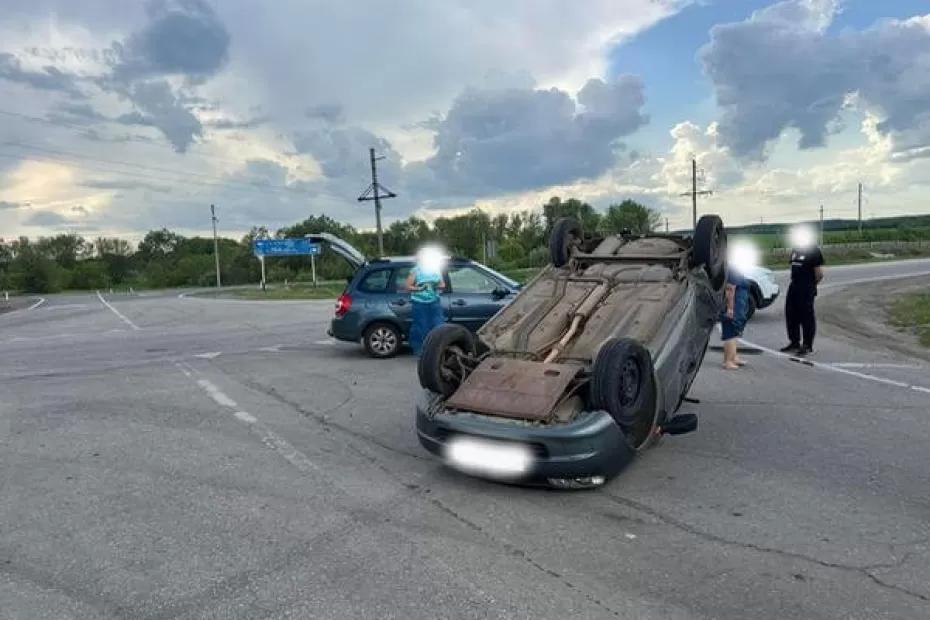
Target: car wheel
382 340
441 367
751 306
566 233
710 249
623 385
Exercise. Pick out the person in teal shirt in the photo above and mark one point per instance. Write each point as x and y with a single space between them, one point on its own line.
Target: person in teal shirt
425 284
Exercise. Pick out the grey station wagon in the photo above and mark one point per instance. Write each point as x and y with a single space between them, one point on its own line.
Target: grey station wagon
375 309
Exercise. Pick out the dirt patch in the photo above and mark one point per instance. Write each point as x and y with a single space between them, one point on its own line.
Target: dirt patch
863 312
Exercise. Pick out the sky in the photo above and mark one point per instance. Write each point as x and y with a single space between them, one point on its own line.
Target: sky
121 117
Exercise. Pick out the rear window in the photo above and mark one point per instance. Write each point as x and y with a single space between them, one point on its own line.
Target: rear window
376 281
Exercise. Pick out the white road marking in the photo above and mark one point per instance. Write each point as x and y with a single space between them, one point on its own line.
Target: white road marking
117 312
67 307
838 369
630 536
898 276
217 394
36 304
868 365
267 436
273 349
209 356
246 417
327 341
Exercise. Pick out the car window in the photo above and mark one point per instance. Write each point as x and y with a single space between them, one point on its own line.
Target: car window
470 280
400 278
376 281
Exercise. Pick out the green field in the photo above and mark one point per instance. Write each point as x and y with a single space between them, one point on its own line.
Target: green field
912 312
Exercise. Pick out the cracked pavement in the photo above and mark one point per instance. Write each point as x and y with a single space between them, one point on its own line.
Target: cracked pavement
226 460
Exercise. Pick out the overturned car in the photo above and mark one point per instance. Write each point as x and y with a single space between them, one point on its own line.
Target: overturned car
586 367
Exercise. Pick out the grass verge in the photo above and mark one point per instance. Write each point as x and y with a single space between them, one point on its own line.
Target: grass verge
281 292
911 311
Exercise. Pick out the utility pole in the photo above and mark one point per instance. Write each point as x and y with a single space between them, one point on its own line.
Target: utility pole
374 193
666 226
821 224
694 193
860 209
216 246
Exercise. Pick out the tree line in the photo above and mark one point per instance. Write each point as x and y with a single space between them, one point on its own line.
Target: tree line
167 259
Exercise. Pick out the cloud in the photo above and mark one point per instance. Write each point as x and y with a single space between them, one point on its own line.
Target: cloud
522 138
45 218
158 106
327 112
183 37
125 185
226 123
783 69
49 78
5 206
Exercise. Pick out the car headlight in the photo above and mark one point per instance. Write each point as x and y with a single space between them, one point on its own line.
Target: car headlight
493 459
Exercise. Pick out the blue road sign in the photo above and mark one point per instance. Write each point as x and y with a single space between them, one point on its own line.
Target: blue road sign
286 247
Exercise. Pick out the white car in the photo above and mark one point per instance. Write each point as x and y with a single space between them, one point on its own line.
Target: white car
763 289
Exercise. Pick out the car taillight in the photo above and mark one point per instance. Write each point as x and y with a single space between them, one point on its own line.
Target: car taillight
342 305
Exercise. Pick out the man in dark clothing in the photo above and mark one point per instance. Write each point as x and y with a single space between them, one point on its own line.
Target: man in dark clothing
806 273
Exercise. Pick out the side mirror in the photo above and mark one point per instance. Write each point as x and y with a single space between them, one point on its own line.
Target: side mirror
680 424
500 293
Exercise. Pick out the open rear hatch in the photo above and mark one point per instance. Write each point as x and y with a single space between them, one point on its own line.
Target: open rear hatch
513 388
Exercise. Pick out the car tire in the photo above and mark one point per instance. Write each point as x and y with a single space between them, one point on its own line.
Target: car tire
566 233
751 305
710 249
436 368
623 385
382 340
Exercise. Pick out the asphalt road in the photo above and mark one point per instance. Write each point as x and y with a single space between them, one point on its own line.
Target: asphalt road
164 457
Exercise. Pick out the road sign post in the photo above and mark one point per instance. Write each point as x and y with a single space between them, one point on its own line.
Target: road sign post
286 247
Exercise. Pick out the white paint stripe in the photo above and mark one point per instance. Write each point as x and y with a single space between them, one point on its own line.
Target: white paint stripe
217 394
328 341
268 437
36 304
208 356
67 306
897 276
879 365
845 371
288 452
246 417
920 389
117 312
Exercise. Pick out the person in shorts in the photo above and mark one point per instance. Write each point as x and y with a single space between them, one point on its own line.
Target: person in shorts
733 319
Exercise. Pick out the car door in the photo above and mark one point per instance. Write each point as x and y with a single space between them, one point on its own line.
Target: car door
399 299
474 295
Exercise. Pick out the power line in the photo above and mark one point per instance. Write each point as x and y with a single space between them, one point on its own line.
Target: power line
159 144
216 182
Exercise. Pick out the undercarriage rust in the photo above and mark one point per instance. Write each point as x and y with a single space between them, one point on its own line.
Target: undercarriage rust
514 388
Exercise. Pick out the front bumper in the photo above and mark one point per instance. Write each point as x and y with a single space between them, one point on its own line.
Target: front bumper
592 445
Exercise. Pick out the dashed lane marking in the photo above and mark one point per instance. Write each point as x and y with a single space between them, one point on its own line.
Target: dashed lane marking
267 436
117 312
209 356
